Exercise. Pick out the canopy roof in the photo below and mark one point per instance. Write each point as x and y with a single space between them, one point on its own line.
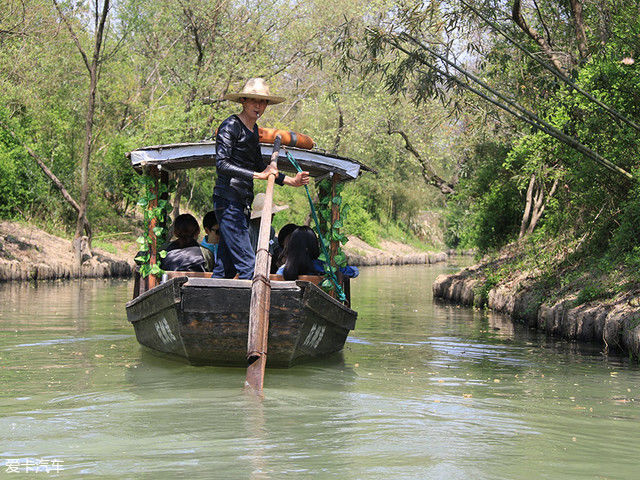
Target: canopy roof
180 156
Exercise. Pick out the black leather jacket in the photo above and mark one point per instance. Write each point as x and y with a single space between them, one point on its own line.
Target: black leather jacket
237 157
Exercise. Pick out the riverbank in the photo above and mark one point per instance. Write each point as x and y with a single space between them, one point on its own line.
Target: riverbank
390 252
549 292
29 253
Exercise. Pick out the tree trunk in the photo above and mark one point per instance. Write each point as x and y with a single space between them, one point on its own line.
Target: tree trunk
535 205
83 224
336 141
100 18
527 208
578 22
517 17
540 204
181 187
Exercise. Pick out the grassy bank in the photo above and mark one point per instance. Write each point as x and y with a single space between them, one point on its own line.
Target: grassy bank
558 269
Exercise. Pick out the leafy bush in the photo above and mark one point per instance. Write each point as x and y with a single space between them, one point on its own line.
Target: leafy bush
590 293
626 237
360 222
486 209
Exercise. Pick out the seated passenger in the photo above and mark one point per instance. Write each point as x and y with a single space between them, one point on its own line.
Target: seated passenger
185 253
301 256
277 260
212 234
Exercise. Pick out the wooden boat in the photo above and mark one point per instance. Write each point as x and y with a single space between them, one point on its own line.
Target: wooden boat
205 320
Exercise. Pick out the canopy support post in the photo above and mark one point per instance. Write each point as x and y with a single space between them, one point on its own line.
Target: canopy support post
154 173
335 216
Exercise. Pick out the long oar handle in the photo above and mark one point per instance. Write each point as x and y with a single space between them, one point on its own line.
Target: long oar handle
261 291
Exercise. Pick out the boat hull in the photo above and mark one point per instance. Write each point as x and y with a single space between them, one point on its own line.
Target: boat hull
205 321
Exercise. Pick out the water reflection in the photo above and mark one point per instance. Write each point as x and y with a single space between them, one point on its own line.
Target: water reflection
422 390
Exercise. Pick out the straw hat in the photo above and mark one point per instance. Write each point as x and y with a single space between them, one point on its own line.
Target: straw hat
255 88
258 205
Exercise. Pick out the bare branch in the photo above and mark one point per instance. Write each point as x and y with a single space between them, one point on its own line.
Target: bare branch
542 22
100 31
195 30
13 30
296 101
428 173
64 18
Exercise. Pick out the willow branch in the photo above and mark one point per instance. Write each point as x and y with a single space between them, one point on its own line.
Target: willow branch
558 73
525 115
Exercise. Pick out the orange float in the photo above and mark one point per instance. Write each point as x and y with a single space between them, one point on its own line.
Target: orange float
292 139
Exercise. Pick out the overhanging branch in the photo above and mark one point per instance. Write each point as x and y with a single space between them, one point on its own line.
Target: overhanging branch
524 114
558 73
428 174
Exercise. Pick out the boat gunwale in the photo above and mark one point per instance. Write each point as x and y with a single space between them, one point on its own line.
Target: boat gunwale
155 289
194 282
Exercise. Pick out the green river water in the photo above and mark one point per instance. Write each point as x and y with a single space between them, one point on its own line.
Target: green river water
423 391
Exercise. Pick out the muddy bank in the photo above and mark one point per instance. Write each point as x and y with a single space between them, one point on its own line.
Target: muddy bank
613 323
386 259
391 252
28 253
93 268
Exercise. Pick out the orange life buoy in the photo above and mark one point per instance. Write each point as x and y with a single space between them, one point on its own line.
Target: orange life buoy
292 139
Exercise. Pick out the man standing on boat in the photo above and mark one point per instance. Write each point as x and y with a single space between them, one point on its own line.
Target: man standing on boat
238 163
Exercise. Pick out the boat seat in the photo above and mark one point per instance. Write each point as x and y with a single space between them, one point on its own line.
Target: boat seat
176 274
315 279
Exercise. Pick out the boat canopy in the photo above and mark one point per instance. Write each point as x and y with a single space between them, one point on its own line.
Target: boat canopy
181 156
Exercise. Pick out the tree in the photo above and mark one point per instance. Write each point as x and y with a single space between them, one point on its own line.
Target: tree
93 69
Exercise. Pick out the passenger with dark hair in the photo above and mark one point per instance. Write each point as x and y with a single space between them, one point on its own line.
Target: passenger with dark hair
185 254
300 256
277 259
212 233
285 232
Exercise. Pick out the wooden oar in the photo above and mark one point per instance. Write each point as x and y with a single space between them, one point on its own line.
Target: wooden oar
261 291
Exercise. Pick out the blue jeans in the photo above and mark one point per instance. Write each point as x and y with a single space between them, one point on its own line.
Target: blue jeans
235 254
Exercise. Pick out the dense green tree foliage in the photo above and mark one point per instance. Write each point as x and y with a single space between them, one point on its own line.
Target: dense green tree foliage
364 79
558 149
164 68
